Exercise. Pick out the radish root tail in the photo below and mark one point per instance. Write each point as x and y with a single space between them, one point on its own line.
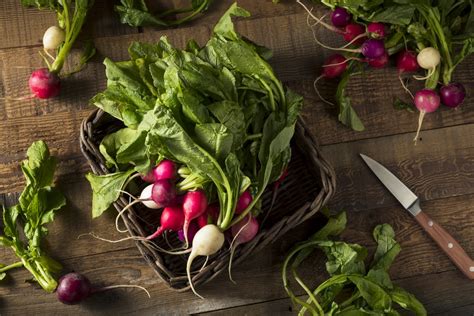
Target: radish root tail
232 249
188 272
315 85
420 121
405 86
110 287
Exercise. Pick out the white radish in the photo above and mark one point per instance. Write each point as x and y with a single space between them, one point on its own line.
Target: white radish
428 58
145 198
207 241
53 37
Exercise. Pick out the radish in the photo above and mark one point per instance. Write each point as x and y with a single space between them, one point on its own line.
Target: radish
340 17
194 205
163 193
377 30
354 33
426 101
202 220
453 94
406 62
166 169
44 84
207 241
372 48
172 218
74 288
243 232
379 62
193 228
333 67
146 199
243 202
428 58
53 37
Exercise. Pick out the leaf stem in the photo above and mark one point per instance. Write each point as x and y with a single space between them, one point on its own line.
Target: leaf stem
11 266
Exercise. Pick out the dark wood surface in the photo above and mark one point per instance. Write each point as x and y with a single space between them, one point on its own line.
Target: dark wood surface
440 169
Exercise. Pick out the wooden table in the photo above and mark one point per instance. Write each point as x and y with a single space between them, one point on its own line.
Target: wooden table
440 169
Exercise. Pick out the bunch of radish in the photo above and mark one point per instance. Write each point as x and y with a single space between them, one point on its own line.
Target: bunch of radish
190 214
367 44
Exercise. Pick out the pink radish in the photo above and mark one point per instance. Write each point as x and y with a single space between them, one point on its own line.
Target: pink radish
354 33
44 84
194 205
207 241
243 232
172 218
426 101
244 200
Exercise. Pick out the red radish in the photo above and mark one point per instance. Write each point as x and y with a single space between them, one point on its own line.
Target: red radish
172 218
379 62
377 30
453 94
194 205
207 241
74 288
354 33
163 193
44 84
243 232
243 202
406 61
280 180
193 228
426 101
340 17
333 67
166 169
202 220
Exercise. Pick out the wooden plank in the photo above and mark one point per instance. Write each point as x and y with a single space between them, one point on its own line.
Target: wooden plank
433 290
25 26
433 169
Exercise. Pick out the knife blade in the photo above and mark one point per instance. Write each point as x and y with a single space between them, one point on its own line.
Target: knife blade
411 203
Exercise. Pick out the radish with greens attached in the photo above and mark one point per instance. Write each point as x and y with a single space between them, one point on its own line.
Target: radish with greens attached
207 241
379 62
428 58
243 202
333 67
194 205
426 101
406 62
243 232
377 30
44 84
453 94
172 218
74 287
53 38
165 170
163 193
340 17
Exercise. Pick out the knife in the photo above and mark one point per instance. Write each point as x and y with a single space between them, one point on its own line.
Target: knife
411 203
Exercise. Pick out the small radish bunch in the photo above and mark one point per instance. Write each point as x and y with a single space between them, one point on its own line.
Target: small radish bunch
73 288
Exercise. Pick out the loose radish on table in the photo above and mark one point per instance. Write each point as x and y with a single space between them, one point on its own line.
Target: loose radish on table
377 30
53 38
428 58
44 84
379 62
194 205
340 17
172 218
453 94
73 288
426 101
243 232
207 241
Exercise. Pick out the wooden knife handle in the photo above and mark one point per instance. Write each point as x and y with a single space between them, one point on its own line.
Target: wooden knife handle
446 242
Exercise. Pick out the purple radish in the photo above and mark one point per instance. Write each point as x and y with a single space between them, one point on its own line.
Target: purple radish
373 48
44 84
453 94
340 17
194 205
163 193
426 101
172 218
73 288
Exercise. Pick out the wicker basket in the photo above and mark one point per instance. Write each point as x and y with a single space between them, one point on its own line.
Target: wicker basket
309 185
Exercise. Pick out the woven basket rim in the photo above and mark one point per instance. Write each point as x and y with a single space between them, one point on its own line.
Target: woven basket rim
218 263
